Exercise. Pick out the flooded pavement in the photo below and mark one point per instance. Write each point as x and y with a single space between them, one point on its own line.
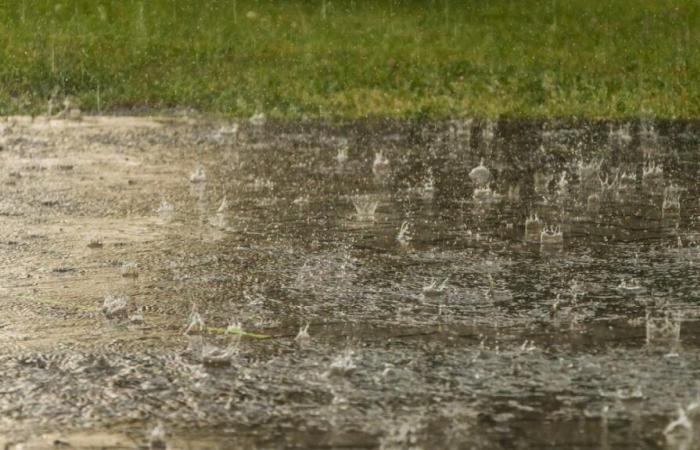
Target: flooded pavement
377 284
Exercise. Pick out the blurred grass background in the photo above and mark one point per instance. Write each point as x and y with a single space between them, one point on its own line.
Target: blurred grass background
293 59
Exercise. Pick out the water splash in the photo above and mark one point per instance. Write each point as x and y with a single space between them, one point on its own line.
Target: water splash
303 339
427 190
488 133
653 176
226 134
485 195
404 236
261 184
342 365
199 175
212 355
220 222
381 164
434 289
630 286
542 181
551 235
130 270
514 193
365 207
593 203
533 228
628 181
588 172
609 187
156 438
563 186
671 206
95 242
342 156
663 330
137 317
115 306
620 136
680 433
166 210
301 200
70 110
258 119
402 434
195 322
648 139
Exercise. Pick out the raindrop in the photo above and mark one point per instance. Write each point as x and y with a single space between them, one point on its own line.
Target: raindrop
223 207
480 175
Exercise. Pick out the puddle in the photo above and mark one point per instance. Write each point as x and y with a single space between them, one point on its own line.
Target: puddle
501 285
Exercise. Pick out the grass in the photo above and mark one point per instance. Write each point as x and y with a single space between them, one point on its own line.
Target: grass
345 58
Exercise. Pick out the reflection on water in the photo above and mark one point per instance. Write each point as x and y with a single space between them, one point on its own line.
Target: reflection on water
505 284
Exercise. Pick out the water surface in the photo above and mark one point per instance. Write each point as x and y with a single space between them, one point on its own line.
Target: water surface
591 342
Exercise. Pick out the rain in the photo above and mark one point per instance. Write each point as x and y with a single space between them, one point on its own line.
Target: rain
401 272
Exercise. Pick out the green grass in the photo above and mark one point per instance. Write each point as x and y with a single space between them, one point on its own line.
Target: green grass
291 59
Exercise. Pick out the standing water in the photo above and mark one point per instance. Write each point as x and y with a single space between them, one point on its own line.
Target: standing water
364 286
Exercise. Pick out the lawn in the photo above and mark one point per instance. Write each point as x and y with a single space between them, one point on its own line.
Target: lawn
347 59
